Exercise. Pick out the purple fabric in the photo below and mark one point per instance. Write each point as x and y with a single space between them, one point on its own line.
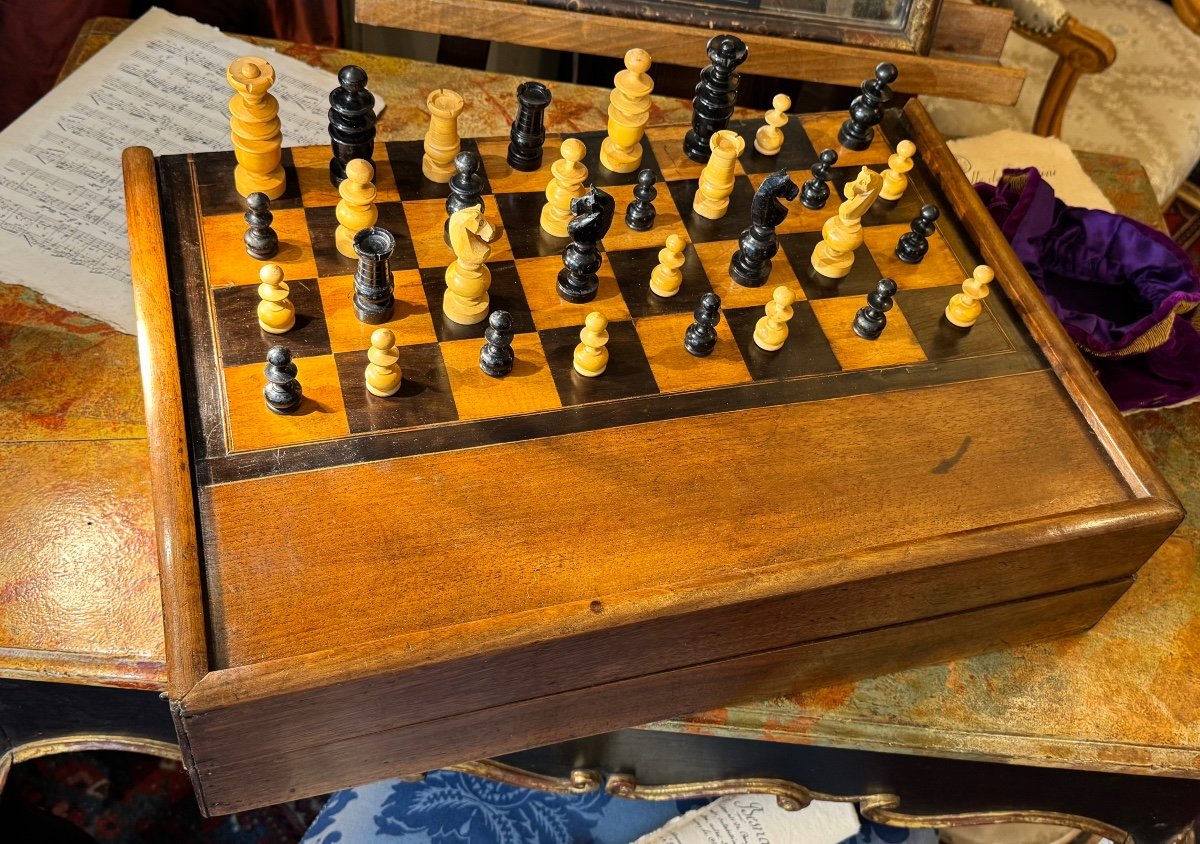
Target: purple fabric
1109 279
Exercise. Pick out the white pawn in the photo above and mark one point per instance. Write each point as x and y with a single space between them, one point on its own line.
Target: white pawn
895 177
566 183
666 278
768 140
772 330
276 313
591 356
356 210
383 375
965 307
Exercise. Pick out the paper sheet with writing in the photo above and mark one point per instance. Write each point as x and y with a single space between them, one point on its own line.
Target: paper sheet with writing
159 84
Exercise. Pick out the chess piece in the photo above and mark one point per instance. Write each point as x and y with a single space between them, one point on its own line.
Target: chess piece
591 356
639 216
965 307
261 240
351 122
913 245
565 185
666 278
528 133
771 330
283 392
716 94
254 128
895 177
628 111
701 336
842 233
276 313
768 140
871 319
356 210
441 141
374 286
468 278
466 187
815 192
383 374
866 110
750 266
716 179
577 280
496 357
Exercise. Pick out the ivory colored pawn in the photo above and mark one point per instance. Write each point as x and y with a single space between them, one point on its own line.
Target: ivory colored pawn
356 210
254 128
965 307
591 356
895 177
466 299
768 140
771 330
628 111
383 374
276 313
716 179
666 278
566 183
441 141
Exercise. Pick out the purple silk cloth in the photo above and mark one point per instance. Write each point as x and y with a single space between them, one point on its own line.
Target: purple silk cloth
1123 291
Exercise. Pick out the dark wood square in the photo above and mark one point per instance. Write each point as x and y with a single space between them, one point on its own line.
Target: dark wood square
521 214
860 281
424 398
322 226
805 352
632 269
797 152
215 185
883 211
628 373
942 340
242 341
703 230
405 158
600 175
505 294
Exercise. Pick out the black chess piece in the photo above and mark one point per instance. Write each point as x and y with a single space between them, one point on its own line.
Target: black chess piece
639 216
866 110
716 94
528 133
701 336
283 392
261 240
351 122
466 187
815 192
871 319
496 357
373 283
577 280
751 264
913 245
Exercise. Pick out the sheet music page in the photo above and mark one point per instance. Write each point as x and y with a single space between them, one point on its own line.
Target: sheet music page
159 84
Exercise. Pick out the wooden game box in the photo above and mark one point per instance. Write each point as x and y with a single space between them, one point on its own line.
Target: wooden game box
378 587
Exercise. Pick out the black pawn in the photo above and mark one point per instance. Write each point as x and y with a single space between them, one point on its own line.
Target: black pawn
913 245
639 216
496 357
261 241
716 94
866 110
351 122
466 186
528 132
871 319
373 283
283 393
701 336
815 192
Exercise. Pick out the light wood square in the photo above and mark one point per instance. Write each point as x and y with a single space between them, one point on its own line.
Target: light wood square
799 218
895 347
411 322
939 266
667 144
426 226
666 221
539 279
227 262
715 257
527 389
253 425
823 129
676 369
312 171
504 179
